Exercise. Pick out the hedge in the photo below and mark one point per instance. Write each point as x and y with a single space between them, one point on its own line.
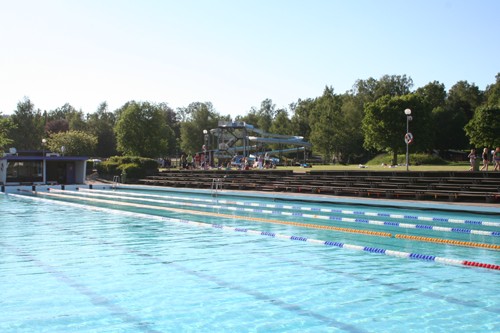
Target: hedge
133 166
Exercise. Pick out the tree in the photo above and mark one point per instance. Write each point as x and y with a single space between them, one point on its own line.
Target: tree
67 112
492 92
463 99
384 124
27 131
6 125
171 120
266 115
352 145
327 134
433 93
484 128
75 143
393 85
202 116
101 124
56 126
281 124
141 130
300 118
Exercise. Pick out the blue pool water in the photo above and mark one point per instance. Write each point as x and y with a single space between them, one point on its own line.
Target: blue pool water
77 264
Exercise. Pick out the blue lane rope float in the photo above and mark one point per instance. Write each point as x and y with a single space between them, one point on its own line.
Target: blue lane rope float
398 254
309 216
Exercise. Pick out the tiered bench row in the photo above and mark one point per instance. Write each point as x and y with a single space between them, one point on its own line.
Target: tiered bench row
443 186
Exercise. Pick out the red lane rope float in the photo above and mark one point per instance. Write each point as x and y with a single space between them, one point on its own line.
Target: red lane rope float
449 241
480 264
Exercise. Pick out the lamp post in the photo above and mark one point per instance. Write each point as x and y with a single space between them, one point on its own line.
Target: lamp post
205 148
408 136
44 162
44 142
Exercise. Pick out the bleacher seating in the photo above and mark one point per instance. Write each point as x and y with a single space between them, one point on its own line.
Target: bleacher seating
432 185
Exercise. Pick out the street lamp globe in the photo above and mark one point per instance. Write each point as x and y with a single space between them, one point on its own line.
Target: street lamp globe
407 112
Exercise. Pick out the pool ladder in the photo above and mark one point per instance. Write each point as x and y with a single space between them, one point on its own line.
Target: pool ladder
216 186
116 180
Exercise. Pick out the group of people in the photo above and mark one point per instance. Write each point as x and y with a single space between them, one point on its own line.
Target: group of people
198 161
495 158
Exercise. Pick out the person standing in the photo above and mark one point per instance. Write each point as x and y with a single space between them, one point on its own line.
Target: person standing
189 161
497 159
472 159
486 159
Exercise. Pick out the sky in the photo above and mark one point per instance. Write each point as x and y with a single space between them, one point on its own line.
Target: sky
235 53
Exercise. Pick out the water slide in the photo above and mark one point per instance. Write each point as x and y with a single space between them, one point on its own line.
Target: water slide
264 136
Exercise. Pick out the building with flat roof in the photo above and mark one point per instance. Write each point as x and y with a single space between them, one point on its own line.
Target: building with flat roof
39 168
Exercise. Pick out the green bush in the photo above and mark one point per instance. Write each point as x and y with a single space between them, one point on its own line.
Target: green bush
135 167
108 168
132 171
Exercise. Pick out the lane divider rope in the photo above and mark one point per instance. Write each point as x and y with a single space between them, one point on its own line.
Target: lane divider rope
322 210
398 254
193 212
67 194
309 216
448 241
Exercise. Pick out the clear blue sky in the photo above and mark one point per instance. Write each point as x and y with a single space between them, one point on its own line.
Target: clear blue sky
235 53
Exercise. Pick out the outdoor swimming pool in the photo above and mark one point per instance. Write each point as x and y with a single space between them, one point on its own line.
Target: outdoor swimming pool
153 261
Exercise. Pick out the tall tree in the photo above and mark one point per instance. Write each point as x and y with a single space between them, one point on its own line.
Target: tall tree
202 116
384 123
463 99
484 128
266 114
56 126
75 143
281 124
101 124
141 130
300 118
492 92
327 134
434 95
393 85
28 126
352 146
172 121
6 125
